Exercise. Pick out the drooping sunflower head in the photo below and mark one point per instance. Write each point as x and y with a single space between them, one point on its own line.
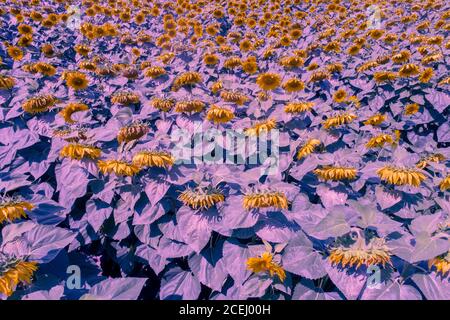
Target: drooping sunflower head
190 106
125 98
426 75
380 140
155 72
162 104
336 173
14 271
234 96
45 68
445 183
14 208
268 81
76 80
384 76
79 151
265 198
307 148
219 114
216 86
339 120
189 78
298 107
260 127
6 82
131 132
441 264
118 167
201 197
39 104
360 253
291 62
401 176
375 120
70 109
319 76
435 157
152 158
293 85
265 263
409 70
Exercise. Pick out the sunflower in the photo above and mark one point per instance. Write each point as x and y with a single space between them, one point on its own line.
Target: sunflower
216 86
45 69
376 252
234 97
409 70
154 72
132 132
219 114
318 76
150 158
78 151
250 66
118 167
441 263
189 78
336 173
384 76
401 176
190 106
39 104
298 107
265 199
82 49
13 272
260 127
436 157
125 98
338 120
76 80
375 120
379 141
291 62
210 59
411 109
232 62
14 209
340 96
426 75
401 57
293 85
6 82
48 50
25 41
164 105
265 263
335 67
268 81
15 53
367 66
307 148
445 183
70 109
201 197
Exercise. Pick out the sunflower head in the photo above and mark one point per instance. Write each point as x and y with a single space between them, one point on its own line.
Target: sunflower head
78 151
6 82
336 173
13 209
76 80
401 176
441 264
70 109
132 132
260 127
189 106
189 78
14 271
118 167
201 197
307 148
268 81
151 158
293 85
162 104
263 198
219 114
234 96
125 98
265 263
339 120
39 104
